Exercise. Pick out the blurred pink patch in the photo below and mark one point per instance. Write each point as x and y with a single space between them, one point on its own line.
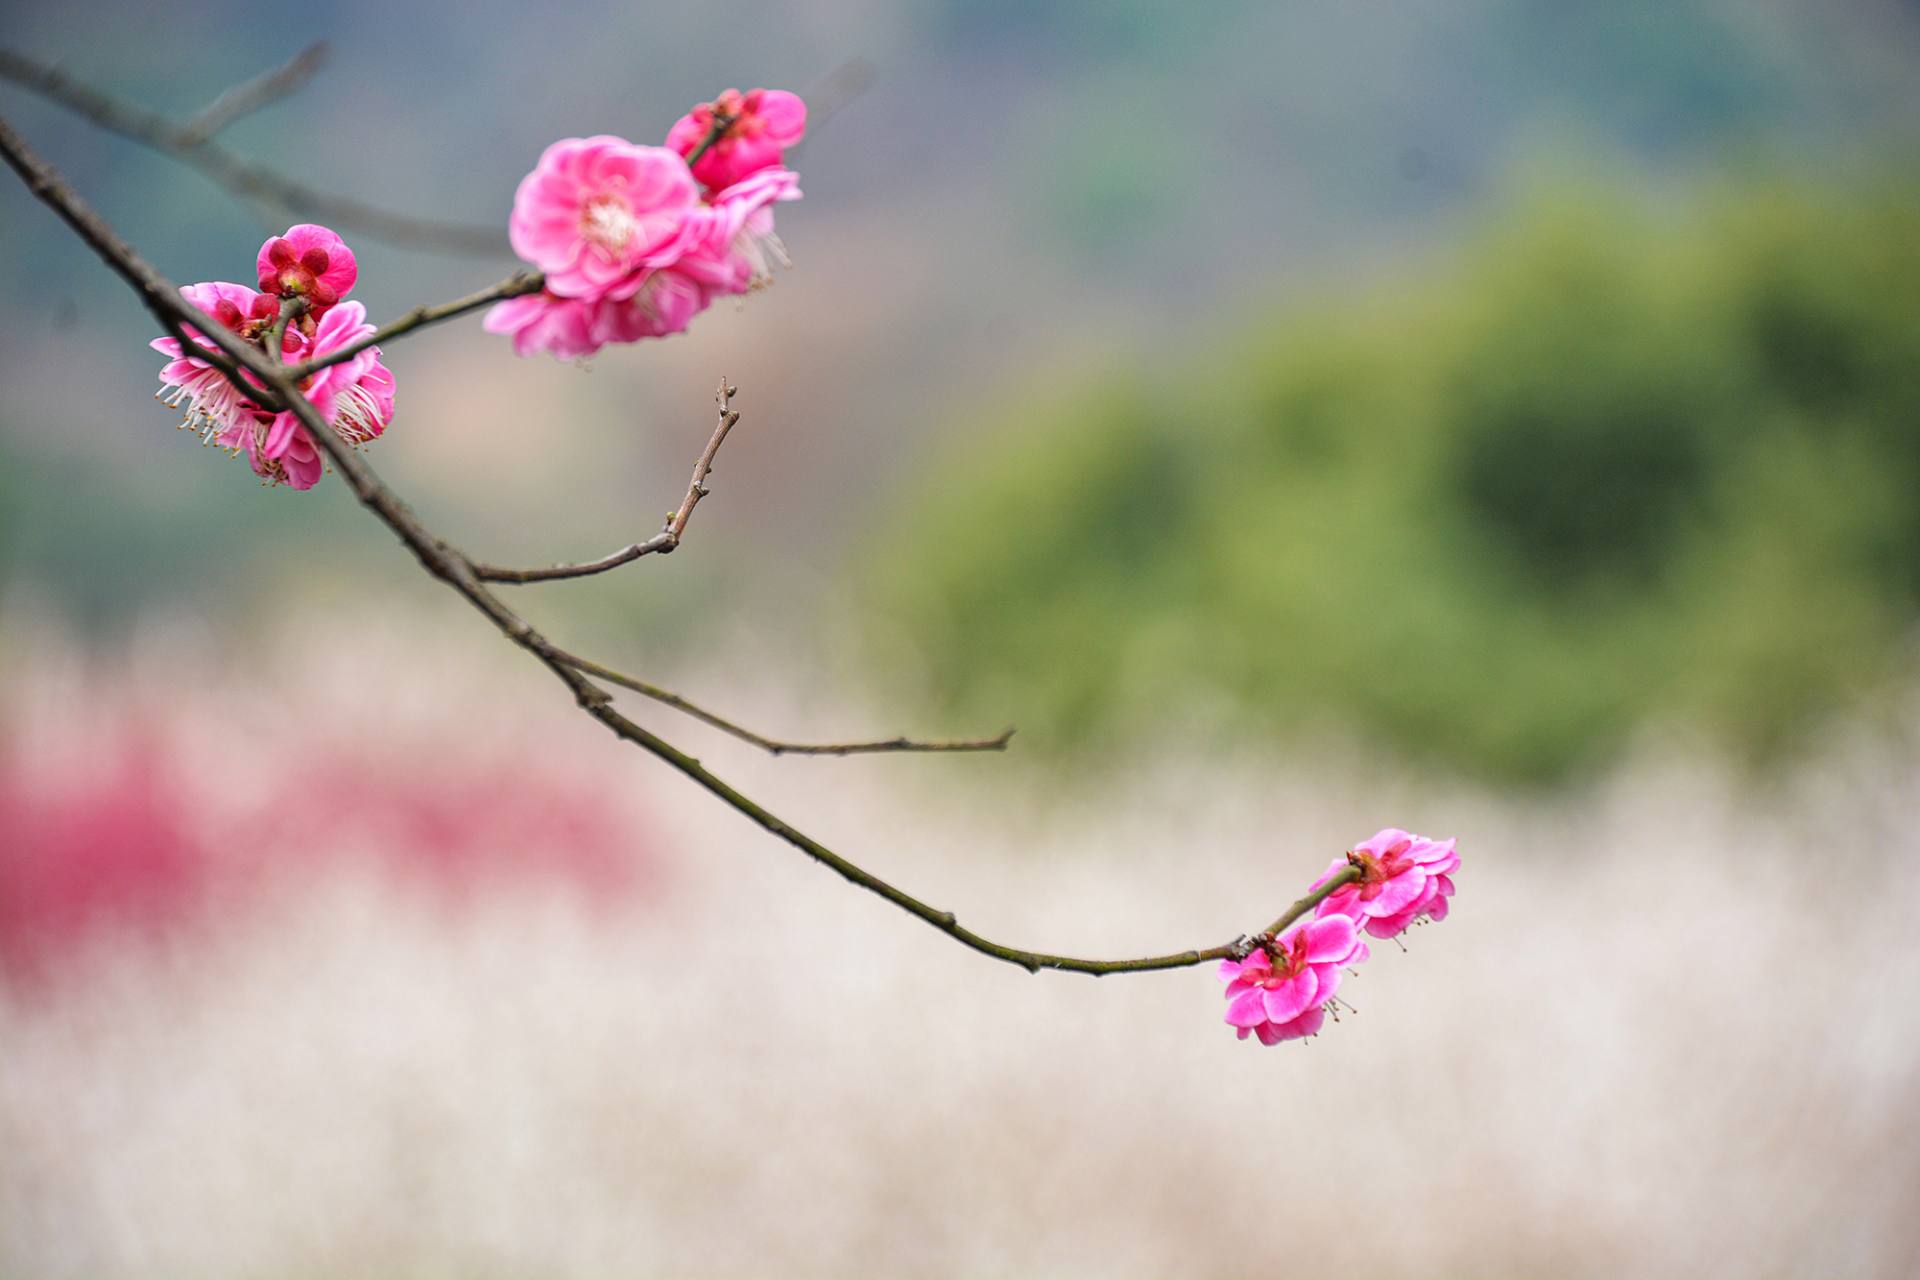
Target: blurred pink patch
136 848
308 262
765 123
104 851
1404 878
1283 996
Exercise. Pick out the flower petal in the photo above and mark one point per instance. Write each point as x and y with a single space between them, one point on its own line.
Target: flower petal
1327 976
1247 1009
1399 893
1330 939
1307 1024
1285 1001
1387 840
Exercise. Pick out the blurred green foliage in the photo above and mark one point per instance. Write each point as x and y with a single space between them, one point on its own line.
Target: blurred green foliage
1610 468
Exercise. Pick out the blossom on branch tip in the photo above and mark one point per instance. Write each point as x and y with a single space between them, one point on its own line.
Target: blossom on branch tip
1280 990
765 122
1403 877
308 262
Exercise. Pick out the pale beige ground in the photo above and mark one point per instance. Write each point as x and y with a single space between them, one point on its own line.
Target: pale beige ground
1671 1030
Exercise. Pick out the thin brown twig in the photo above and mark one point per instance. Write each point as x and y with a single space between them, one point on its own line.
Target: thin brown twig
703 465
661 543
779 746
833 92
514 286
296 199
250 96
446 563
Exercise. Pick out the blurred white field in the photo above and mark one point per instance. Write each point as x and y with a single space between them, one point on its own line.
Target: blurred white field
1670 1029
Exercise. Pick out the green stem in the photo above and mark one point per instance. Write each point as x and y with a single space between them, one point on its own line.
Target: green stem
720 125
1335 882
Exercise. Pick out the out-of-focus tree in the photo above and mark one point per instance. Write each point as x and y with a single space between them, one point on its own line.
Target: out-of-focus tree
1610 469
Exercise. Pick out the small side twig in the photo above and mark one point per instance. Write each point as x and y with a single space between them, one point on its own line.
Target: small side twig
703 465
296 199
246 98
827 96
660 543
716 131
778 746
514 286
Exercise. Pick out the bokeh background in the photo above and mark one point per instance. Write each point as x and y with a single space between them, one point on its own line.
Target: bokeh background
1499 418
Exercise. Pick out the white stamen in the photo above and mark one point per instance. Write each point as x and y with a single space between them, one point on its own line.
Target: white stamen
356 420
608 222
763 253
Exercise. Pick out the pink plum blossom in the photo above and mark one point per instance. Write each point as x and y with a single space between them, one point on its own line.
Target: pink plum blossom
1403 877
716 249
545 321
1280 992
631 246
212 404
355 397
765 123
308 262
728 248
597 212
747 210
665 302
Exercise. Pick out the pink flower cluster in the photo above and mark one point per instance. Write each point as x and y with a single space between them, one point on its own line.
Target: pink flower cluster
355 396
634 243
1283 988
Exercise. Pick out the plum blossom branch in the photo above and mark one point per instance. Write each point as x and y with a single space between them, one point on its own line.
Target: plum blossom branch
250 96
151 129
778 746
663 542
449 565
